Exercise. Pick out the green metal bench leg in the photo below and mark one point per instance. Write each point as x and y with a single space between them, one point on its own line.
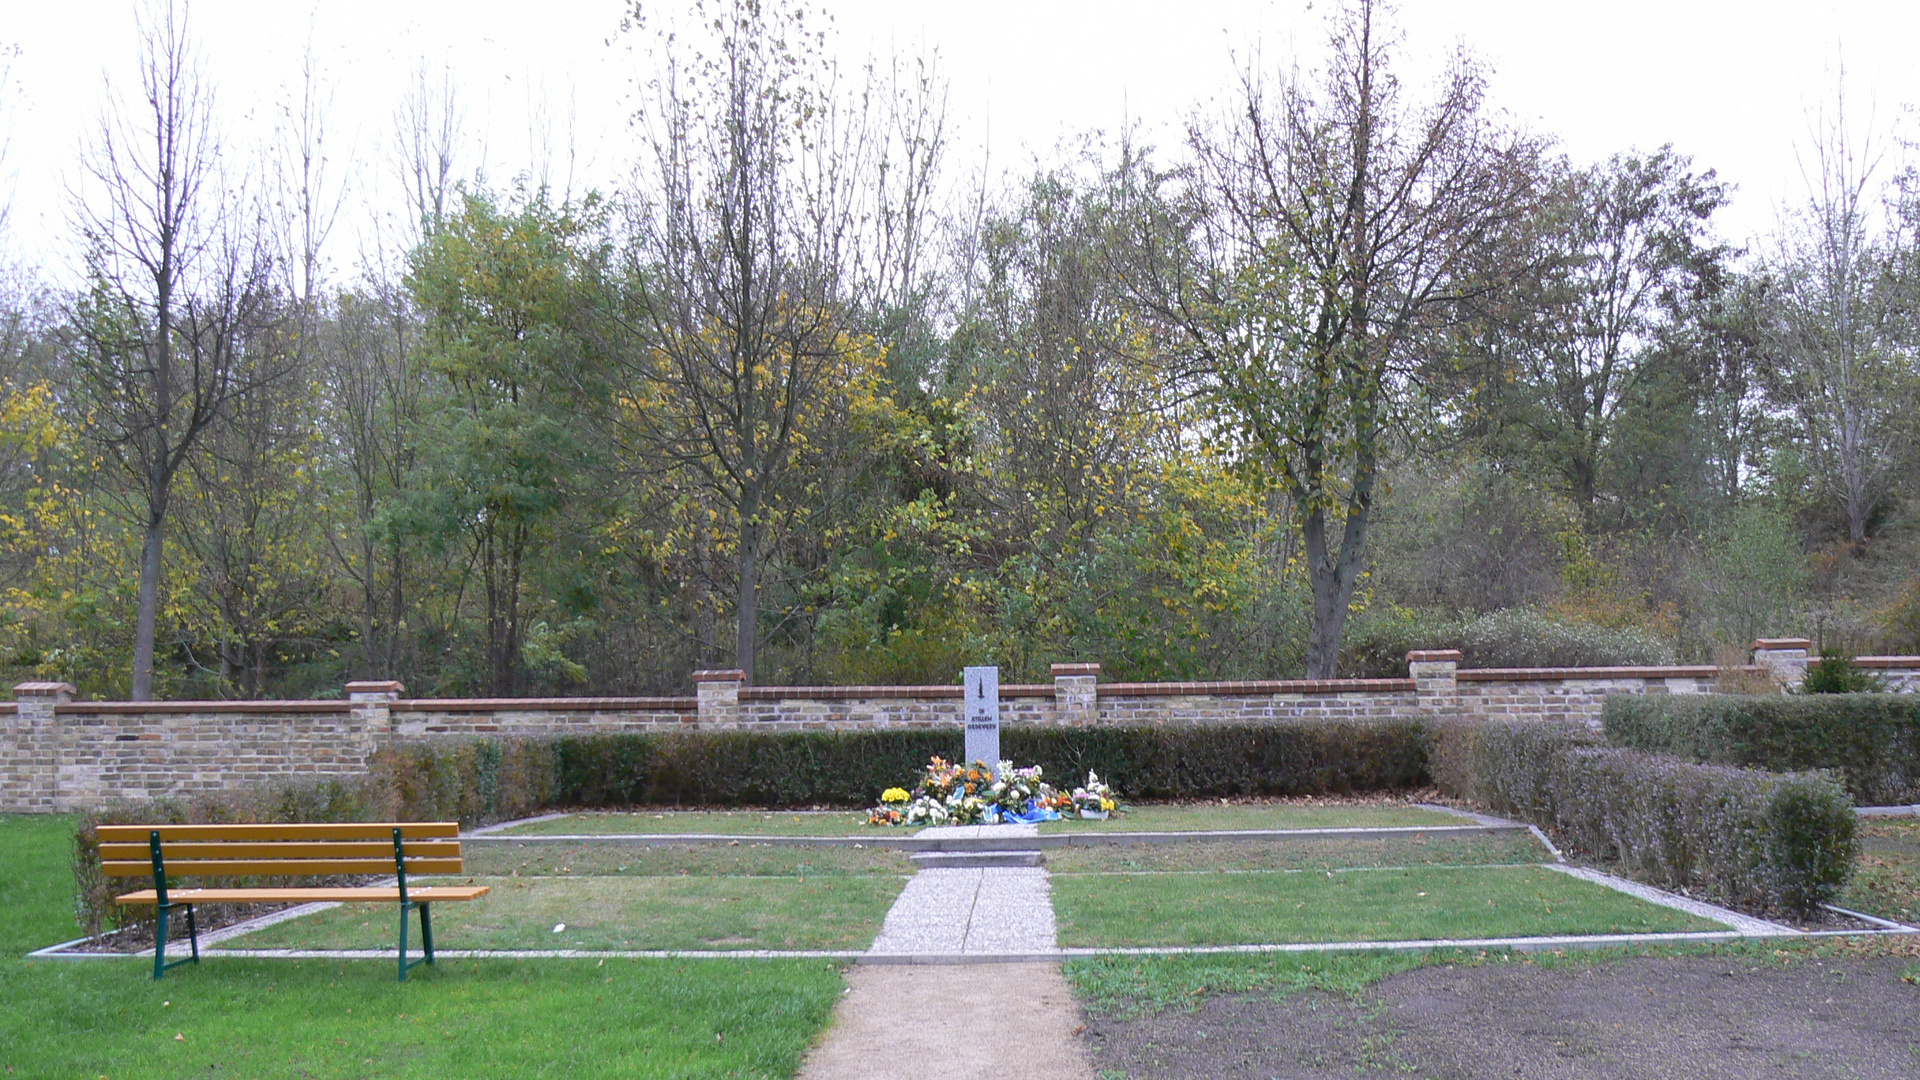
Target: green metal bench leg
160 944
160 964
426 938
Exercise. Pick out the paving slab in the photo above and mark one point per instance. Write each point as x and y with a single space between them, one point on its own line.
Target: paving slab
954 1023
961 911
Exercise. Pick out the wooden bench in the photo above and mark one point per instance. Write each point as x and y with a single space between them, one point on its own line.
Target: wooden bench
174 851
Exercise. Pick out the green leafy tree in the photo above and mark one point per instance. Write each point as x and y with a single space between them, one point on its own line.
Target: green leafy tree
505 475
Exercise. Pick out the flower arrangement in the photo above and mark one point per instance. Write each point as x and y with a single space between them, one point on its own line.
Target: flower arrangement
1095 799
951 794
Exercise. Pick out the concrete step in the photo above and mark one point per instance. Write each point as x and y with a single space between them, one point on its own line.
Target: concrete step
973 860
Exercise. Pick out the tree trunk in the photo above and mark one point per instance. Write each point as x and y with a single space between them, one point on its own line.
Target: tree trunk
148 617
1333 580
747 607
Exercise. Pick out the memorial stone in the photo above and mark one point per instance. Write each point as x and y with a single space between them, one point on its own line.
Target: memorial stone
983 715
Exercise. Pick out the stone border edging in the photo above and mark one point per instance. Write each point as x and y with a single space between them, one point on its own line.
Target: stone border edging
996 843
1746 924
1519 944
501 826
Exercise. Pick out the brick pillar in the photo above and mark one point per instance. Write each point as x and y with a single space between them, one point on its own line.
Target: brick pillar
1784 658
32 768
372 705
1076 694
718 693
1435 674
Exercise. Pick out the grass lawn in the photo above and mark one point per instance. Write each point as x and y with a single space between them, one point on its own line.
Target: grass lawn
707 823
832 912
290 1020
1886 872
1303 853
1361 905
614 859
1279 815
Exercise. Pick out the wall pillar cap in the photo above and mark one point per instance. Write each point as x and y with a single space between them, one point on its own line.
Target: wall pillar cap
721 675
1075 669
376 686
43 689
1782 643
1433 656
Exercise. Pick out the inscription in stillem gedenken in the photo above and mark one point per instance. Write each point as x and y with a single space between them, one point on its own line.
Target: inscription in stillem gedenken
983 715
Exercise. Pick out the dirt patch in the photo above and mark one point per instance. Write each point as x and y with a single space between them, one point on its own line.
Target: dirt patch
1676 1017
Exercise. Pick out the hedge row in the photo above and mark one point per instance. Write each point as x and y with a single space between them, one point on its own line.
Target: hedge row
1873 740
851 768
1757 840
476 781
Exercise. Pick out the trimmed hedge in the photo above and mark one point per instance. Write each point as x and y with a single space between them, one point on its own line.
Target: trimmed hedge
1873 740
1758 840
853 767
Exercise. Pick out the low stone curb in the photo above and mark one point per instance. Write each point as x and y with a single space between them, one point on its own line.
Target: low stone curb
1746 924
1001 843
1888 811
1521 944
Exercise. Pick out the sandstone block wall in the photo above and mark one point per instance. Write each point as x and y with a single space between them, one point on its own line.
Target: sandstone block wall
58 754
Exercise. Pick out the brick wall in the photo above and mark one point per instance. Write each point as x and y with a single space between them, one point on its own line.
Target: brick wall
56 753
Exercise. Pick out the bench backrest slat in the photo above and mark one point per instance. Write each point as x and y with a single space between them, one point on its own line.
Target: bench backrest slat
279 867
290 850
356 830
185 851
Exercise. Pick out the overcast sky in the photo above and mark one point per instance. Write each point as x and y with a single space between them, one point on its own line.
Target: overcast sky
1731 82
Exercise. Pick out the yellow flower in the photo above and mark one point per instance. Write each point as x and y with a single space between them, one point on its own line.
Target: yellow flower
894 794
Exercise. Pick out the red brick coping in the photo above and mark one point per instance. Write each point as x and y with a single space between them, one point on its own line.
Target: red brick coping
555 704
887 693
134 707
1258 688
1569 674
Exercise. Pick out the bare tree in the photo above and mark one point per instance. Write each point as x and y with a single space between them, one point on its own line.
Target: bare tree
7 94
427 135
1335 232
178 279
1836 314
309 200
765 218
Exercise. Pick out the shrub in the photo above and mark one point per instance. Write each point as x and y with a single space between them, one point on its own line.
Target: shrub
1510 637
1759 840
1834 673
1521 637
1872 740
327 801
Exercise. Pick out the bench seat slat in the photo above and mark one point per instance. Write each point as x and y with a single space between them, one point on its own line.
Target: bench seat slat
368 894
182 850
279 867
352 830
